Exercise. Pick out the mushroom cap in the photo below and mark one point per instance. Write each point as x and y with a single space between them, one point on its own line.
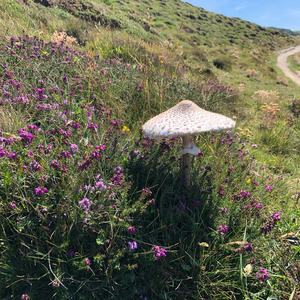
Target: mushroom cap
185 118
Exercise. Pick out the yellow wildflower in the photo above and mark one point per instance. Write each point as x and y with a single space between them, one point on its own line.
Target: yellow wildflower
125 129
248 181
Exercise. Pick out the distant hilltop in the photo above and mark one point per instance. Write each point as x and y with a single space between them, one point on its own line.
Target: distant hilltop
286 31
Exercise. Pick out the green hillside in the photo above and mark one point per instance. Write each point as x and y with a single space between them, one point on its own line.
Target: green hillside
90 208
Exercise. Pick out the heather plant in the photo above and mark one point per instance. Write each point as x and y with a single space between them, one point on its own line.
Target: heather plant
92 210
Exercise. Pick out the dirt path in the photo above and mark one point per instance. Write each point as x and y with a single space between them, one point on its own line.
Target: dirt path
283 65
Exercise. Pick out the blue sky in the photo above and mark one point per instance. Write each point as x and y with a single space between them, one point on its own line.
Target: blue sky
277 13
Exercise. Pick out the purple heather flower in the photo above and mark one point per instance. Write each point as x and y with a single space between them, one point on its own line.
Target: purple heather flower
262 275
132 245
254 205
65 154
131 230
244 194
39 191
40 94
65 133
118 177
276 216
159 252
87 261
92 126
119 170
33 127
248 247
223 229
2 152
100 185
96 154
221 191
101 147
73 148
116 123
30 154
12 205
75 125
258 206
26 136
268 188
55 164
65 78
34 166
11 155
25 297
85 204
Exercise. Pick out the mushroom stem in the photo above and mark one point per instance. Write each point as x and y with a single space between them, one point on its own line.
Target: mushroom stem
186 161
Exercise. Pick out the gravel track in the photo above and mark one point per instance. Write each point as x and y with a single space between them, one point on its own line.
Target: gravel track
283 64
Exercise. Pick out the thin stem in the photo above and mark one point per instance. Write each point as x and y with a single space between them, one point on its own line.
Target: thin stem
186 163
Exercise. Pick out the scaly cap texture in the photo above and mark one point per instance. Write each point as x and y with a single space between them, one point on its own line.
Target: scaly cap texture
185 118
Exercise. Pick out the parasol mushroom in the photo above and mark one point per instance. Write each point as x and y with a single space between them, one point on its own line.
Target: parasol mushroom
186 119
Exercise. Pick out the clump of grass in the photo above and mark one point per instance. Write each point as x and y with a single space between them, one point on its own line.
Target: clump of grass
266 96
11 120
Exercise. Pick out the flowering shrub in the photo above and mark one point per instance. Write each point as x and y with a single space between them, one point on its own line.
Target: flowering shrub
91 211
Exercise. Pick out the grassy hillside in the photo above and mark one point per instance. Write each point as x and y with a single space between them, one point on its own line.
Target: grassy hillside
89 209
179 25
174 21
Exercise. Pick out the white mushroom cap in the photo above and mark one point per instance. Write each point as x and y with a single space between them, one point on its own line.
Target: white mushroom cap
185 118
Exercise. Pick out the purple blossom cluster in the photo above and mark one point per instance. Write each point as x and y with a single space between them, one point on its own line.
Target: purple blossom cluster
132 230
132 245
85 204
26 136
254 206
40 191
159 252
262 275
271 222
223 229
118 177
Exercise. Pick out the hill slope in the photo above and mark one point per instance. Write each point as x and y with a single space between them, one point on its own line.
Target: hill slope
174 20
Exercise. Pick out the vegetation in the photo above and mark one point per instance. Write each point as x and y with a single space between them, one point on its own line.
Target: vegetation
294 63
92 210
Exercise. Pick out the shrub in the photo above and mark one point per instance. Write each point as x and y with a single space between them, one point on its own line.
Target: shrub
222 63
